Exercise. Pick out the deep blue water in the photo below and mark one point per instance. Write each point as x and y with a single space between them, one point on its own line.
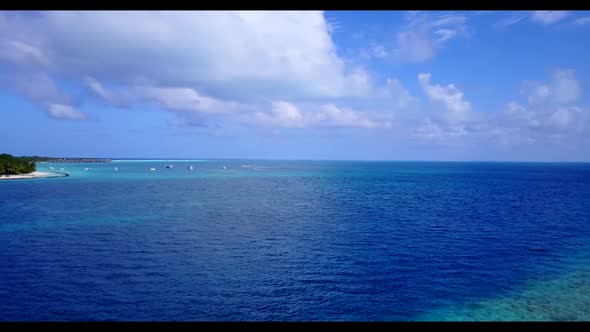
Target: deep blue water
297 240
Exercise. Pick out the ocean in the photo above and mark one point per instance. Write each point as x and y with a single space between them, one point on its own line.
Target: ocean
297 241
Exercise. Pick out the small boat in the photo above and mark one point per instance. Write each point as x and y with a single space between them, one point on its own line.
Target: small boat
224 167
152 169
248 166
170 166
86 169
51 168
116 168
190 168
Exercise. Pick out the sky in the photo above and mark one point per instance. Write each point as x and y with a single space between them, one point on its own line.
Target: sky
335 85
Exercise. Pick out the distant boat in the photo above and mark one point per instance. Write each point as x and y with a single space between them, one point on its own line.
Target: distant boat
190 168
248 166
116 168
51 168
86 169
152 169
170 166
224 167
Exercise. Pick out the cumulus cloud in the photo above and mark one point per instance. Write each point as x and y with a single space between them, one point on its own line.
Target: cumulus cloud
209 63
332 115
565 117
450 96
234 54
544 118
537 93
399 94
550 105
288 115
435 132
185 99
564 88
424 35
283 114
548 17
454 122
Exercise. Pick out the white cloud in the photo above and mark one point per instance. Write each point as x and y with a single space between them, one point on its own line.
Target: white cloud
288 115
548 17
202 64
65 112
543 118
564 88
539 94
283 114
565 117
450 96
398 93
521 115
119 99
425 35
437 133
185 99
549 110
234 54
332 115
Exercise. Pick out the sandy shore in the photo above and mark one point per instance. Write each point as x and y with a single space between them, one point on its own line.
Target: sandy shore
33 175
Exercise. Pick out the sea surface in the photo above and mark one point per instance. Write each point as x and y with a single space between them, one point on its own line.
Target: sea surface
297 241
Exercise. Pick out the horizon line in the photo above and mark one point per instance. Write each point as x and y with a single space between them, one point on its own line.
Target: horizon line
335 160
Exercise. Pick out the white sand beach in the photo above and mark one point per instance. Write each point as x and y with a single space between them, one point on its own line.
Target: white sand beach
33 175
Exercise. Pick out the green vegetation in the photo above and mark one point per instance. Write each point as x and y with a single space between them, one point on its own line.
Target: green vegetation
10 165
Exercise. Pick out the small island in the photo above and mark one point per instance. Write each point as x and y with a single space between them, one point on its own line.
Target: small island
13 168
67 160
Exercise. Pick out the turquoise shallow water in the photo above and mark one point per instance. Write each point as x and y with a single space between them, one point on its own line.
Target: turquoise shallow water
297 240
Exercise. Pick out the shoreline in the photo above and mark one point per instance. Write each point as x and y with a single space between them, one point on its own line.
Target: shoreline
34 175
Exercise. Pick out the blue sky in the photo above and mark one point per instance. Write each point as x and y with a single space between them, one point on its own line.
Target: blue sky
378 85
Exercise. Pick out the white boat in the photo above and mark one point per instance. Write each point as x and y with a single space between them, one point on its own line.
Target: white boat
248 166
170 166
190 168
152 169
86 169
224 167
116 168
